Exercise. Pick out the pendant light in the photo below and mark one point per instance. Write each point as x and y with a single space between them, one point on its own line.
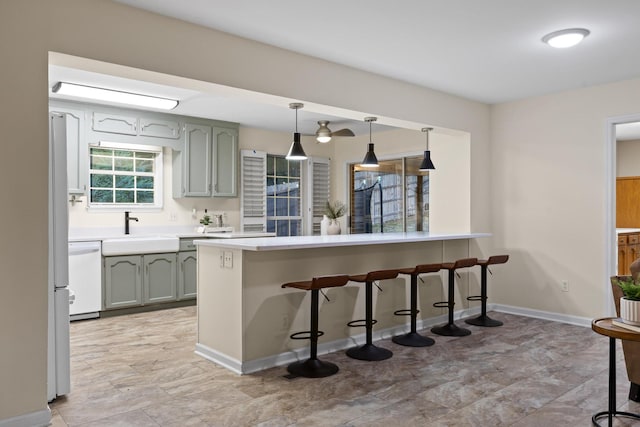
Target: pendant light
427 164
370 159
296 152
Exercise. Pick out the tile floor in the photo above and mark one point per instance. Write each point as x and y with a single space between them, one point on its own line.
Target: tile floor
140 370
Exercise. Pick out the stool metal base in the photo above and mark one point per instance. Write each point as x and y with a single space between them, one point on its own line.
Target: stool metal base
312 368
450 330
603 414
369 352
484 320
413 339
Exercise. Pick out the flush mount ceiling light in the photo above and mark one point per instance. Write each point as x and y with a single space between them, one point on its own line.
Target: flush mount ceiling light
427 164
370 159
296 152
109 95
565 38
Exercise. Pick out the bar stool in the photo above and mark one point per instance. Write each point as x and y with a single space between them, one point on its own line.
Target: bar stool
451 329
368 351
483 319
413 338
313 367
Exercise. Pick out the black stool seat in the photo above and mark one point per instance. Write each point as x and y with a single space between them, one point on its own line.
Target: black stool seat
413 338
368 351
313 367
450 328
483 319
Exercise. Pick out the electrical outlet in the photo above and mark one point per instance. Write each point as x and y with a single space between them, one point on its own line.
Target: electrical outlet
564 285
228 259
173 216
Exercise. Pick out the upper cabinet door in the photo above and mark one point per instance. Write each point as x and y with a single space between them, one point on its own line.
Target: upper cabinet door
113 123
77 150
197 161
225 162
158 128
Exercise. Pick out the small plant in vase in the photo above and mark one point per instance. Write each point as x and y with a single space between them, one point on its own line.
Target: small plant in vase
630 303
333 211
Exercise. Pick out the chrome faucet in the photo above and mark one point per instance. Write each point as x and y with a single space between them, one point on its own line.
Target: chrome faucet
128 218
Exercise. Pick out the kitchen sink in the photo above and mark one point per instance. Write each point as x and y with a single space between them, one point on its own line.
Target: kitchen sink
140 245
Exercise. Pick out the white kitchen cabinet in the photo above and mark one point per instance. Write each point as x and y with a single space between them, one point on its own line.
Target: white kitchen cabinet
187 275
159 278
207 164
159 128
225 152
115 123
77 149
122 281
134 280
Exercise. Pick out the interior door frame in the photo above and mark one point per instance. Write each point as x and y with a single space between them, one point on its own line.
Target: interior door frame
610 205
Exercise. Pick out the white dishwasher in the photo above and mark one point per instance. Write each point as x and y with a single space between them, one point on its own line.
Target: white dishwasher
85 279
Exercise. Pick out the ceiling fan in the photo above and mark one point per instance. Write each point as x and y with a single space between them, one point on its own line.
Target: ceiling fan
324 134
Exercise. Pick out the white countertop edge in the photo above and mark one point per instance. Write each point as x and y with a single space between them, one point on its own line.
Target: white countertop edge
308 242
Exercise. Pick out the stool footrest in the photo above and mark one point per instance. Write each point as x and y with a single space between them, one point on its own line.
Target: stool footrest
476 298
406 312
305 335
360 323
441 304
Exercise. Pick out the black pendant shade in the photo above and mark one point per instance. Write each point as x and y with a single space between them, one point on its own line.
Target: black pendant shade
427 164
296 152
370 159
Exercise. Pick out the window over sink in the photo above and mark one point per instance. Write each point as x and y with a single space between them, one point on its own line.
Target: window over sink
125 176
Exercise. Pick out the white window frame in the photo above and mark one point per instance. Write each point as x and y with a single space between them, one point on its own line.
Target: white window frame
253 193
158 187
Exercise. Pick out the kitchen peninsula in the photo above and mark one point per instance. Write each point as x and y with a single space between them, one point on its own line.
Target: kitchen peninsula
245 318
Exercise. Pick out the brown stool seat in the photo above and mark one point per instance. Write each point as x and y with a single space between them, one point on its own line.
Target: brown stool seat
483 319
413 338
313 367
319 282
374 276
450 328
368 351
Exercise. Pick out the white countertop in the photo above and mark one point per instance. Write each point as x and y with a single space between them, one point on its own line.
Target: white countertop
306 242
95 233
627 230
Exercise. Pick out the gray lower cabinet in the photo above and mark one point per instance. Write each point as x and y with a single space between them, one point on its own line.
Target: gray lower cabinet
187 275
133 280
159 279
123 281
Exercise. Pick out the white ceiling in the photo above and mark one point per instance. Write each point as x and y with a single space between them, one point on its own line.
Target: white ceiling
487 50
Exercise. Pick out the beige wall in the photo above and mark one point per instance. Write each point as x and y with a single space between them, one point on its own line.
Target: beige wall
628 158
106 31
549 176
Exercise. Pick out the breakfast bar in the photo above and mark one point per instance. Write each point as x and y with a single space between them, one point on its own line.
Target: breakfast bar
245 318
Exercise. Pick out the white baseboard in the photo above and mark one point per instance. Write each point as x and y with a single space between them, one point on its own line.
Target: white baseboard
32 419
539 314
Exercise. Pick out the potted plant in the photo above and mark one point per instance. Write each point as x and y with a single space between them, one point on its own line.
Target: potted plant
333 211
630 303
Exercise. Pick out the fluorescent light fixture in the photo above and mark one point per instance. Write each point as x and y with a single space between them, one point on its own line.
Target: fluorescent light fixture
565 38
109 95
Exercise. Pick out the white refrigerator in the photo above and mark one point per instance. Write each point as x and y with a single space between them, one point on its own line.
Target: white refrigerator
58 361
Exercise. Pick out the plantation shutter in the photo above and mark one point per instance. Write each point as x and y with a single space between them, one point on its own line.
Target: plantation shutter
253 205
318 185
